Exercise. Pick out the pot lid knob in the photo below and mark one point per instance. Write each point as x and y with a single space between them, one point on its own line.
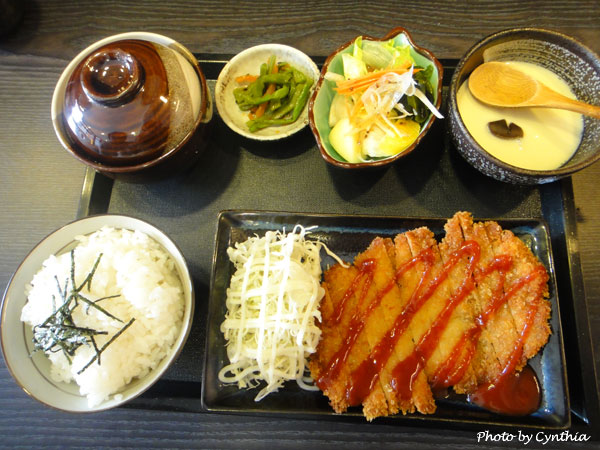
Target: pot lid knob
112 76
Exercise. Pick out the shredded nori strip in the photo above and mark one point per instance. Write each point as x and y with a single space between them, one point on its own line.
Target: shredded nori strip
420 112
59 331
99 352
99 308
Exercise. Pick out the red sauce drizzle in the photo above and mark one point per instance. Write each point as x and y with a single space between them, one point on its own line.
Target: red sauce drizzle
515 393
363 379
430 340
358 320
453 369
357 323
365 270
500 396
404 375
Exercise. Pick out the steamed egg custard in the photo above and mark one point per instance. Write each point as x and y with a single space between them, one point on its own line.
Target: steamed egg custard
549 138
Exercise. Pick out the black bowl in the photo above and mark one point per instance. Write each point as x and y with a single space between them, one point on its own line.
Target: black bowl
563 55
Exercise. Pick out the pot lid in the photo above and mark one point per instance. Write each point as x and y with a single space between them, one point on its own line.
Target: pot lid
130 101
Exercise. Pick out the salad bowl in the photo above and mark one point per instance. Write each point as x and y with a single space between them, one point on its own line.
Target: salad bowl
320 104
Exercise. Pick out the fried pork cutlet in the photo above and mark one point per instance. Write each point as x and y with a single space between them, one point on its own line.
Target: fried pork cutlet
526 288
444 317
412 315
343 345
361 305
390 348
496 340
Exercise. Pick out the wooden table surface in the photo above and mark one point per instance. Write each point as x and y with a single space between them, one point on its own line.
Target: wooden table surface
40 184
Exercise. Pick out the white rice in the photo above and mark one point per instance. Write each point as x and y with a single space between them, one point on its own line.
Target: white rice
134 266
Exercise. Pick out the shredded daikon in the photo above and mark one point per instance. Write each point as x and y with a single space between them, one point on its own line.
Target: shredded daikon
386 93
272 304
379 99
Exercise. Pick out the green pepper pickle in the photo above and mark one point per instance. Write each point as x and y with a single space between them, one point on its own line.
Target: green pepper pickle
284 105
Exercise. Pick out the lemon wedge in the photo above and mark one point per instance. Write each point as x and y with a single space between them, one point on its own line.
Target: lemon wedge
380 143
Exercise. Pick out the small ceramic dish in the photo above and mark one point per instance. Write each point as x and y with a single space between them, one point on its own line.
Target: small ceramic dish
577 65
32 373
320 102
248 62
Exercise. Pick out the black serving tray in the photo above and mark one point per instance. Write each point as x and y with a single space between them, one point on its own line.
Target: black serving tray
432 182
346 236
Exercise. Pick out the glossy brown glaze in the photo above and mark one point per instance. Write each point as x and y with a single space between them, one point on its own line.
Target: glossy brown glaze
189 101
116 105
112 76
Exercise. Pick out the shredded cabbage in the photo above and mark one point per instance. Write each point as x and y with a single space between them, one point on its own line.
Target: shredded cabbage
272 304
354 67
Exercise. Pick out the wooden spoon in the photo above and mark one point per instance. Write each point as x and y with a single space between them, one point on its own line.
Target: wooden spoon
499 84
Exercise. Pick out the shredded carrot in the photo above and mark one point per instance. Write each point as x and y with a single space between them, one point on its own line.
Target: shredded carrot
270 89
263 106
358 106
357 117
252 113
246 78
348 87
261 109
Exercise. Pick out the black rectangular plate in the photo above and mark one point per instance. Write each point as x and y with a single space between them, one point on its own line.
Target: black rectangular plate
347 236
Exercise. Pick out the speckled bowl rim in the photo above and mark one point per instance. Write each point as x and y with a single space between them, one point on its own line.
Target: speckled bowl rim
56 108
169 359
527 32
230 66
381 162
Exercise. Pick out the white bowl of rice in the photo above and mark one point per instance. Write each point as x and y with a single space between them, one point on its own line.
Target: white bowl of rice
85 347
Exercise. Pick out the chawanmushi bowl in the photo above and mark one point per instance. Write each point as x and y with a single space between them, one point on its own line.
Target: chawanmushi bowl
569 59
320 102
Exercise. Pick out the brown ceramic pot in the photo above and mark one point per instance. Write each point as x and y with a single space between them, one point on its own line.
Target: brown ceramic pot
113 108
133 106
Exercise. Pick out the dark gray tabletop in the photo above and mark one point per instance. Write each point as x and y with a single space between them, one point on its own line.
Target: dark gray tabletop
41 184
